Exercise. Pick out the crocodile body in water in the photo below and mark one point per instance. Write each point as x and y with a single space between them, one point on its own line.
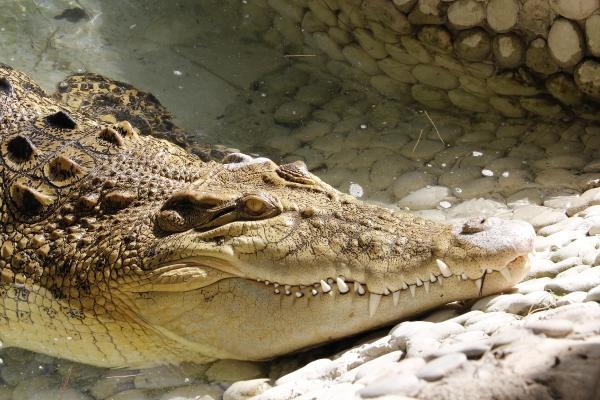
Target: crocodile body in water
121 249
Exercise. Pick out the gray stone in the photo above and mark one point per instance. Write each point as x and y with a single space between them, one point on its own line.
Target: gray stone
401 384
243 390
554 328
440 367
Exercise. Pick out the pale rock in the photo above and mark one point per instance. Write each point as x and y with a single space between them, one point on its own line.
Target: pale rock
543 107
539 59
533 285
592 34
516 303
416 49
563 88
508 86
459 174
360 59
335 391
391 88
468 101
423 150
323 12
432 98
426 12
485 207
565 42
134 394
442 366
556 178
502 15
287 9
373 47
587 78
539 216
569 224
489 323
292 389
511 181
574 298
199 391
244 390
233 370
327 45
322 368
575 9
473 44
435 76
592 166
555 328
507 107
472 349
524 197
587 199
548 268
508 50
397 385
404 5
400 54
387 14
340 36
383 33
475 86
311 131
593 294
436 38
583 281
311 24
585 248
464 14
475 188
382 362
292 113
411 181
396 70
425 198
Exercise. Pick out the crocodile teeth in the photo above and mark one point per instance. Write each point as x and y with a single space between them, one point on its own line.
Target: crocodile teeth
342 287
277 291
396 297
506 274
440 280
432 277
426 285
374 300
419 282
464 277
299 294
359 289
444 269
314 292
386 292
404 285
413 289
325 286
478 284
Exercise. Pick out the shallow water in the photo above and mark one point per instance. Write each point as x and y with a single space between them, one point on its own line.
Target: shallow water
204 62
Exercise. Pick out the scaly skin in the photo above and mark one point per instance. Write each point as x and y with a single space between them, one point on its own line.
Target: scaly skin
123 250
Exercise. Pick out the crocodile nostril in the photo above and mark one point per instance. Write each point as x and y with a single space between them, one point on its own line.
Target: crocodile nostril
473 225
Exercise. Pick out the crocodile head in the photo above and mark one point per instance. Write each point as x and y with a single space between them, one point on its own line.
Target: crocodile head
123 250
256 260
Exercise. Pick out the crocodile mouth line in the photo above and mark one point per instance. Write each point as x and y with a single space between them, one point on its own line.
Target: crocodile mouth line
420 287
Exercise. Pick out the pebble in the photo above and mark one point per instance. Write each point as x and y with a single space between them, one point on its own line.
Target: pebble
243 390
593 294
539 216
401 384
555 328
425 198
582 281
201 392
292 113
411 181
573 297
134 394
440 367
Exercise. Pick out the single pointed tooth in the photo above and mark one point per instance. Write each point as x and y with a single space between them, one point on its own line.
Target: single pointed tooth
419 282
432 277
478 284
287 292
287 287
325 286
404 285
330 281
396 297
489 270
413 290
276 284
277 291
426 286
314 292
342 287
374 300
444 269
359 289
464 277
440 280
267 283
506 274
386 292
299 294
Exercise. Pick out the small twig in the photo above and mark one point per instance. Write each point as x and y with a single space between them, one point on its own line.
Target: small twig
434 127
299 55
418 140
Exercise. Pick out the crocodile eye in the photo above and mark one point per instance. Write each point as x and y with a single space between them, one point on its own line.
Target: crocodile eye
259 205
254 205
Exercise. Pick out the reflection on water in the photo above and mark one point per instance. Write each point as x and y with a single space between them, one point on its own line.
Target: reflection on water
238 75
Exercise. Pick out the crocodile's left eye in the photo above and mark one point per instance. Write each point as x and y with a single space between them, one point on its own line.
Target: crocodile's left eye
259 206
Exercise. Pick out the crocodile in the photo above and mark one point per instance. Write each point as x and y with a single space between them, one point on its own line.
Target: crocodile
122 249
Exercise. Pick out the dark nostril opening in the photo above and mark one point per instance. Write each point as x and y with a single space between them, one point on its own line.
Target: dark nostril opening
474 225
